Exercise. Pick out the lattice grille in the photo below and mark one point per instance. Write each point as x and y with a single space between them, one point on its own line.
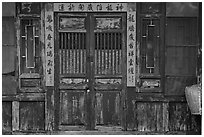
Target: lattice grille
72 53
108 53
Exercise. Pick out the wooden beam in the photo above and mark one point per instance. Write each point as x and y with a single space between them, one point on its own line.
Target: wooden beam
124 78
15 116
49 109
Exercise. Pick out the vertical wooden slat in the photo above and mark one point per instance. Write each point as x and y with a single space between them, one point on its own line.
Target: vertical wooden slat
62 51
65 51
114 54
115 50
79 39
111 48
68 52
101 52
120 53
97 50
75 52
72 52
15 115
84 53
104 52
108 47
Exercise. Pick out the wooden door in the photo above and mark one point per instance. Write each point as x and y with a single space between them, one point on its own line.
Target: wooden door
91 51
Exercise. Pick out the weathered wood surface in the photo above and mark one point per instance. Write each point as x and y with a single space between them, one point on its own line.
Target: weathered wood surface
49 109
107 109
72 109
6 116
32 116
34 82
160 116
15 116
148 116
179 117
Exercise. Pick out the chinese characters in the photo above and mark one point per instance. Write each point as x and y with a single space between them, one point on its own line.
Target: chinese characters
90 7
49 49
131 47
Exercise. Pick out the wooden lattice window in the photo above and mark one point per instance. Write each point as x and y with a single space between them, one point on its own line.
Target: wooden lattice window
150 46
108 45
29 45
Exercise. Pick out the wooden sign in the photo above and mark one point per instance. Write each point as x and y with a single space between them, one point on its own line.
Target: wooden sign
90 7
131 47
49 44
30 8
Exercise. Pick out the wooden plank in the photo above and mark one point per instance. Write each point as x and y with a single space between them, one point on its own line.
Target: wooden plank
108 108
9 98
72 108
31 97
6 116
149 116
108 87
32 116
30 82
31 90
15 116
124 78
73 86
49 109
90 72
179 117
165 116
56 94
30 75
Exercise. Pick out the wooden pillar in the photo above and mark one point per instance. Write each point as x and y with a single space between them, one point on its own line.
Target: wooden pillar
49 109
49 68
90 76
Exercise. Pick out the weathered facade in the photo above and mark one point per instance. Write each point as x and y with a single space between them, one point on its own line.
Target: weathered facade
82 66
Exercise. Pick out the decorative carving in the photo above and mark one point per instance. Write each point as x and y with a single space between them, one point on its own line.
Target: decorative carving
150 83
72 81
108 81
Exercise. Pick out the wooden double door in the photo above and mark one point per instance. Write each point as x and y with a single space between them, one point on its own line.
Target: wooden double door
90 69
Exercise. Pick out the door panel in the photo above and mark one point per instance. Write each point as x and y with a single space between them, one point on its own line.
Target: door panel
72 54
72 107
108 108
90 71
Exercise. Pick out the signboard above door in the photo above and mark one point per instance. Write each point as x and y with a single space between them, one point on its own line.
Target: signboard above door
90 7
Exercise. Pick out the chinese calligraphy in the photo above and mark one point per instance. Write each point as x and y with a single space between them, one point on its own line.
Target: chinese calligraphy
131 47
49 49
90 7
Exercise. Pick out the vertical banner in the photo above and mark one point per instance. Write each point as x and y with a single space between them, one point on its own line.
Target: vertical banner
49 44
131 44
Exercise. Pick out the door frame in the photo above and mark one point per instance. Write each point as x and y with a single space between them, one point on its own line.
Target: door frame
90 97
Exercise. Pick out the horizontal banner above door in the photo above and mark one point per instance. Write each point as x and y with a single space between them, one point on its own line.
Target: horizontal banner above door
90 7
